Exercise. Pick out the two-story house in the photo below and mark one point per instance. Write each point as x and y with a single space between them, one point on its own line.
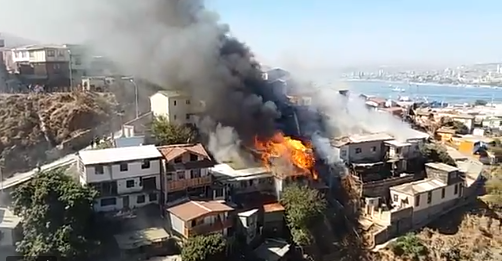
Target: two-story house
428 198
178 107
185 171
192 218
53 65
125 178
362 148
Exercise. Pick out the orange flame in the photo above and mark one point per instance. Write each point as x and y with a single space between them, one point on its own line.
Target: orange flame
299 154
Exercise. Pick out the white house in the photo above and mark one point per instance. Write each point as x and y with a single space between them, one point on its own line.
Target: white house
235 180
193 218
9 224
126 177
177 106
362 148
430 196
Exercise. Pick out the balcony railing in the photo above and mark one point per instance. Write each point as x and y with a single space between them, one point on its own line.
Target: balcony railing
205 229
176 185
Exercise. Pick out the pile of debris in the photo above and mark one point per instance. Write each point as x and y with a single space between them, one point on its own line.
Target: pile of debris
37 128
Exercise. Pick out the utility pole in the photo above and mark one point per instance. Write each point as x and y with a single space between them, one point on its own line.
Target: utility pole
131 80
70 67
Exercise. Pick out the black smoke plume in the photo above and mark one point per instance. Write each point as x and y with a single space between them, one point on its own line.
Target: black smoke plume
178 44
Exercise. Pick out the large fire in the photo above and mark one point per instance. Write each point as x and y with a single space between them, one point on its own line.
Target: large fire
299 154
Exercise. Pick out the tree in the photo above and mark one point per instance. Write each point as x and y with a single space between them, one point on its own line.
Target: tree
204 248
57 216
303 205
433 152
495 148
480 103
166 133
409 245
493 189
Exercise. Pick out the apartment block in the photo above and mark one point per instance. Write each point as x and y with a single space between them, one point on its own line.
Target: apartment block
126 178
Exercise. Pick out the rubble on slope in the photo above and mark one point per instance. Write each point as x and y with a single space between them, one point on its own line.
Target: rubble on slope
37 128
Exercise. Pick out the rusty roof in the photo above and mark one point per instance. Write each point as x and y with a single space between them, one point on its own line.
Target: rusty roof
193 209
273 207
170 152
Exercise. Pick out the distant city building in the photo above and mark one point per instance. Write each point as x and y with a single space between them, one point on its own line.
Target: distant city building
52 65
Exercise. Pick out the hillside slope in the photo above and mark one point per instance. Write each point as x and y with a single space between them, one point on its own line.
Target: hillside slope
41 127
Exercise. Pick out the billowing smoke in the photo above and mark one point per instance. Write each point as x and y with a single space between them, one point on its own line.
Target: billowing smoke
178 44
348 115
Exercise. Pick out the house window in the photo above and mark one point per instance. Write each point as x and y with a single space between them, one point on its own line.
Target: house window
418 200
243 184
174 116
358 150
187 116
140 199
443 192
152 197
395 198
123 167
219 193
129 183
193 157
98 170
187 102
108 202
178 160
456 189
32 55
373 149
180 174
195 173
50 53
429 197
169 176
343 153
145 164
174 103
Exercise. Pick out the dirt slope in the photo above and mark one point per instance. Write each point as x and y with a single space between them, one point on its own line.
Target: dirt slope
39 127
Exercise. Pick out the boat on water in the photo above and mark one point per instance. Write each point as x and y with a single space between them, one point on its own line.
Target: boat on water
396 89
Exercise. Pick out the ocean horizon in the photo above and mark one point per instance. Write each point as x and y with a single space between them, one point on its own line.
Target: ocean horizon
451 94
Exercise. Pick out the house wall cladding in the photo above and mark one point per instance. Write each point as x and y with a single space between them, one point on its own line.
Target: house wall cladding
381 188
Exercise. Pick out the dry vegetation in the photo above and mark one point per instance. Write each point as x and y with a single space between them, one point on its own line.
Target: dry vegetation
457 236
40 127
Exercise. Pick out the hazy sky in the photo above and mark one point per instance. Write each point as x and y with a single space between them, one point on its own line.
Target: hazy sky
332 33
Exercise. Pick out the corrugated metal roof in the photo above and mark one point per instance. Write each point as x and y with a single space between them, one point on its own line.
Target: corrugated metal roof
418 187
193 209
91 157
441 166
370 137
